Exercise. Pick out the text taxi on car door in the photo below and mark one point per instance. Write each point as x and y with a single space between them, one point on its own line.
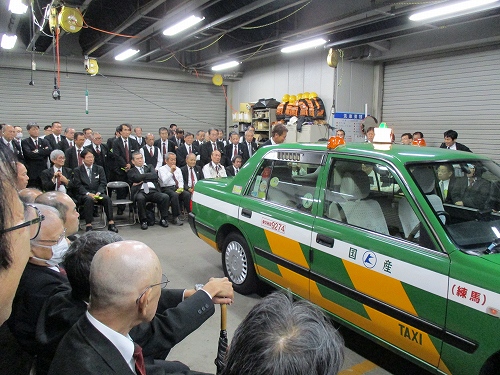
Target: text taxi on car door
398 242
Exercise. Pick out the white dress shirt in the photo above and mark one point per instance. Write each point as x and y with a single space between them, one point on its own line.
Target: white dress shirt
159 157
211 170
166 179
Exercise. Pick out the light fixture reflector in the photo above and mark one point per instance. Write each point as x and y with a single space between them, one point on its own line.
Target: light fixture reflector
227 65
126 54
17 7
448 10
182 25
304 45
8 41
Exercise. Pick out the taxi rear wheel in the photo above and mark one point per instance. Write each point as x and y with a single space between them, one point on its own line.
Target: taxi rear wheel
238 265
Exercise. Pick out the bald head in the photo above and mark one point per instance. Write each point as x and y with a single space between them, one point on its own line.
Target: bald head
29 195
120 272
66 207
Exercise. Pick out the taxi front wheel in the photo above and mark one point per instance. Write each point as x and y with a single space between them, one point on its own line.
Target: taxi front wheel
238 265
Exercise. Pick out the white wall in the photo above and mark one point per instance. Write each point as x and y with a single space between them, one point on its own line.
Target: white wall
351 84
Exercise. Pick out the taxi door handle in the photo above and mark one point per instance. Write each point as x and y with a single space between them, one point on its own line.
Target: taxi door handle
325 240
246 213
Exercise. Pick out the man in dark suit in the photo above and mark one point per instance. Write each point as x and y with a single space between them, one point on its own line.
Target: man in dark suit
39 279
36 152
250 145
58 177
141 141
132 271
73 154
450 142
233 169
191 174
8 141
200 138
186 148
123 147
176 316
472 191
208 147
68 140
100 153
446 183
145 188
90 189
278 135
233 149
164 144
56 139
178 138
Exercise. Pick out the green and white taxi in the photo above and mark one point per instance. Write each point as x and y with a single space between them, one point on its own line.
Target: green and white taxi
400 243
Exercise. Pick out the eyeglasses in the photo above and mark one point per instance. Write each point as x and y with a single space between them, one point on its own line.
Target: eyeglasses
29 210
163 285
49 243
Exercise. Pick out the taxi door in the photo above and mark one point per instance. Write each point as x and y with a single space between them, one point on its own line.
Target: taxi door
276 216
366 272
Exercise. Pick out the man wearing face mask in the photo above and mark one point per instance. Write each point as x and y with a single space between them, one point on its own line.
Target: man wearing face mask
40 278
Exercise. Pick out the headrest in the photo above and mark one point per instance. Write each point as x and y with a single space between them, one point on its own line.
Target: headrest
355 185
425 178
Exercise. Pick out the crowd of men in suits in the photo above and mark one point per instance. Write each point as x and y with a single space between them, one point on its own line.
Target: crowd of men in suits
160 171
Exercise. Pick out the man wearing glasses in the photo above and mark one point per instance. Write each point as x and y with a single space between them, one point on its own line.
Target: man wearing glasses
125 286
41 275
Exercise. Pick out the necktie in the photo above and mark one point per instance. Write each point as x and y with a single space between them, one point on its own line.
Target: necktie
176 182
98 149
151 151
164 153
249 149
127 155
214 147
70 143
11 146
57 139
36 143
58 181
235 150
443 191
89 173
145 185
192 177
80 160
190 150
236 170
139 360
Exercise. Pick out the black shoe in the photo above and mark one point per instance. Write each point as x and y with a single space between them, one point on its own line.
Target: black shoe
88 228
112 228
144 225
164 223
177 221
120 211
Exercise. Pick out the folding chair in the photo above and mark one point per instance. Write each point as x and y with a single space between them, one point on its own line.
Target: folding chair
116 202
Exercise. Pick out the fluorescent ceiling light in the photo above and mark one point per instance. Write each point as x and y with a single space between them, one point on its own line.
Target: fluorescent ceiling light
8 41
450 10
126 54
183 25
17 7
305 45
230 64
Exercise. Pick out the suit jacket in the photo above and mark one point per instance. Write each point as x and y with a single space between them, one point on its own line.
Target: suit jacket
197 143
71 157
230 171
35 157
246 154
48 185
65 144
119 155
459 146
206 152
266 143
197 171
36 285
84 185
51 138
170 146
174 320
451 186
17 149
134 176
477 196
182 152
228 150
101 158
141 141
174 141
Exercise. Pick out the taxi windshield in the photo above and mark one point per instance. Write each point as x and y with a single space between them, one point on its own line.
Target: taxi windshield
466 197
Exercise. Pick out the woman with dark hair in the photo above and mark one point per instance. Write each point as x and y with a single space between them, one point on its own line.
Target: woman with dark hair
18 224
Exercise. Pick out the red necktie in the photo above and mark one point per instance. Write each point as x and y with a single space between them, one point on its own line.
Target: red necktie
139 360
98 150
58 181
190 151
192 177
127 155
235 150
80 160
176 182
36 143
70 143
151 151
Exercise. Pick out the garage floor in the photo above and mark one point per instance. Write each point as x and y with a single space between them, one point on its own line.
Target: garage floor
187 260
